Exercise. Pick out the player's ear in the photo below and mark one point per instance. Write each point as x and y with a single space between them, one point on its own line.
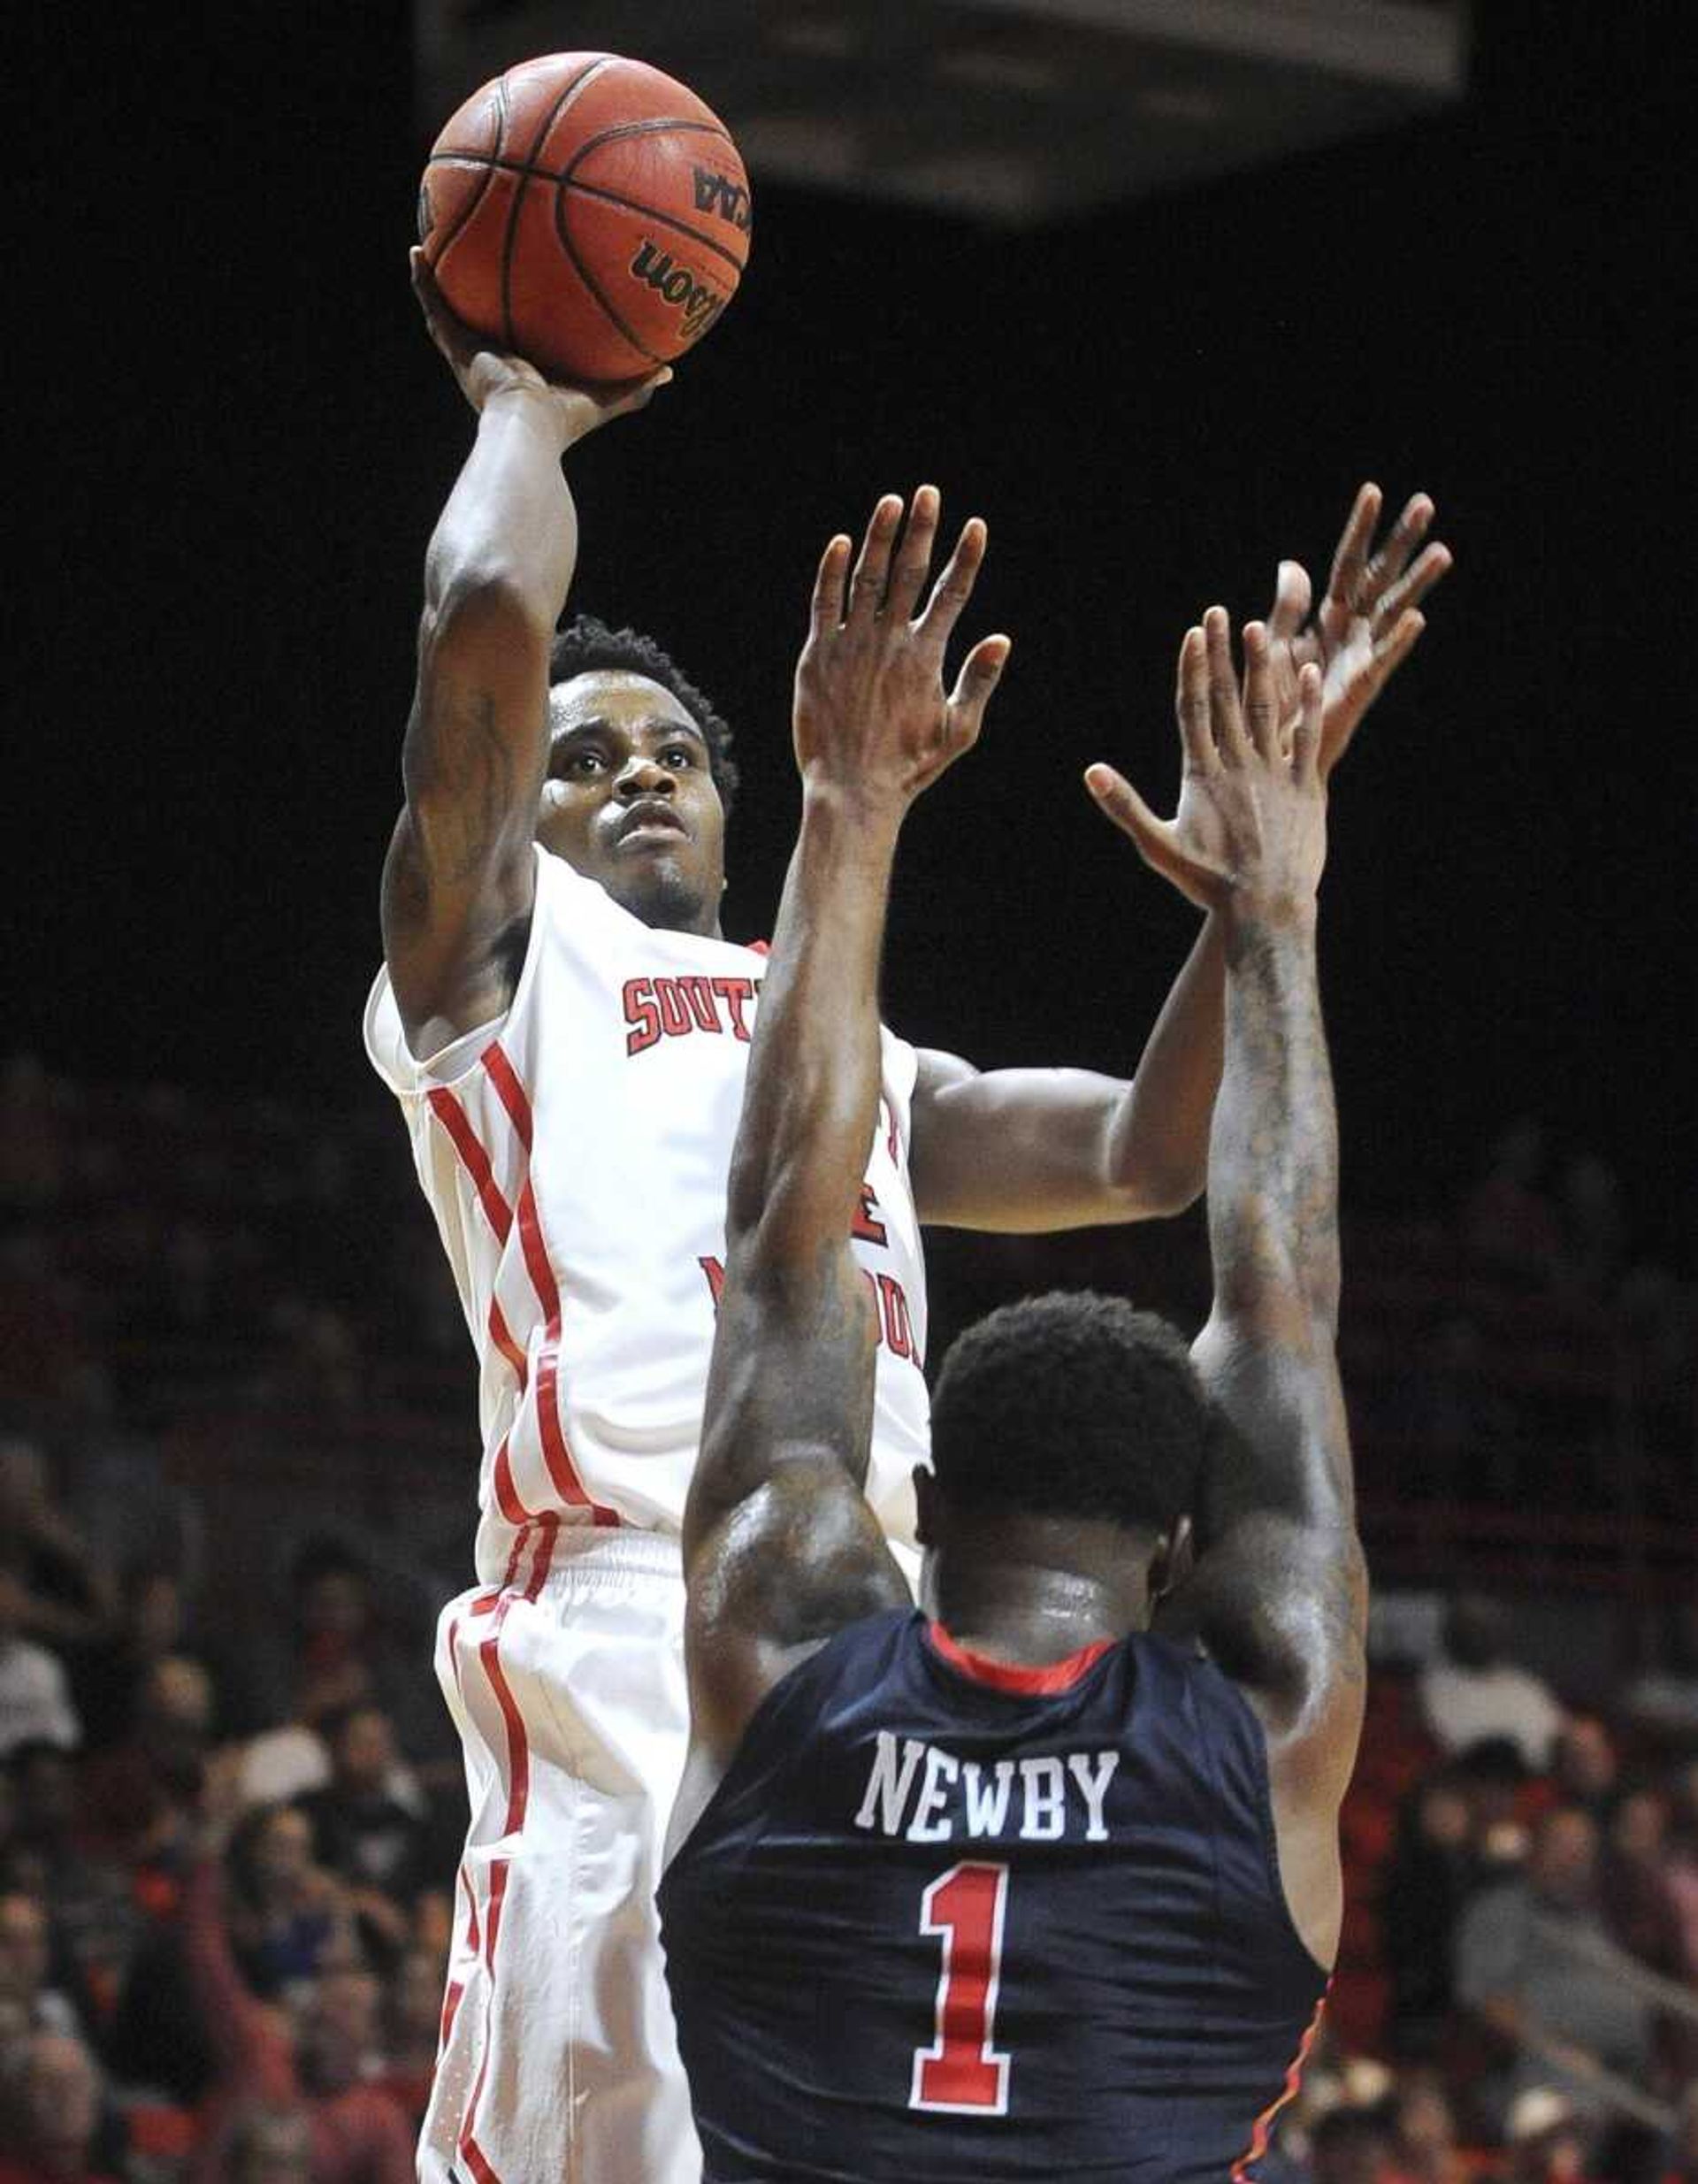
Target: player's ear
925 1505
1170 1564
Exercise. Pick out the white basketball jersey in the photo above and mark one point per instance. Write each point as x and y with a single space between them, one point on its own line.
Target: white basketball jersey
575 1155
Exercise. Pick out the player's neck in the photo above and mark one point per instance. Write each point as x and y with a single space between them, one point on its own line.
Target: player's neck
1023 1600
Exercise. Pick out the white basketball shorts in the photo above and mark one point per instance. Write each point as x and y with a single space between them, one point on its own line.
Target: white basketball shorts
557 2063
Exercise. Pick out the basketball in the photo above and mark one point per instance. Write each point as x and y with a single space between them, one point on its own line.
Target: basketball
588 213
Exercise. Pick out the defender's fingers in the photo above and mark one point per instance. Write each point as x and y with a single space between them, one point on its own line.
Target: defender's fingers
1350 562
954 588
873 566
1434 561
980 672
914 555
1261 692
1192 703
1226 716
1390 653
1293 594
1305 736
827 610
1116 798
1404 536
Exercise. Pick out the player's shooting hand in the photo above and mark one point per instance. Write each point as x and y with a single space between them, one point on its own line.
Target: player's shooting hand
483 372
1368 623
1251 826
871 714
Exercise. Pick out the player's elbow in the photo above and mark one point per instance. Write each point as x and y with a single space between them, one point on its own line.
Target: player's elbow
480 606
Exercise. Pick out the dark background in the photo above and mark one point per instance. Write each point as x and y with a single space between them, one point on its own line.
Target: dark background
233 438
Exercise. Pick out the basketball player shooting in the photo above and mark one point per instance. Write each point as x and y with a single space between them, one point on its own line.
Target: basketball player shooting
1027 1891
567 1030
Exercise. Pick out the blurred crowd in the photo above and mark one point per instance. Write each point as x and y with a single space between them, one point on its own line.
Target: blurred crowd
236 1428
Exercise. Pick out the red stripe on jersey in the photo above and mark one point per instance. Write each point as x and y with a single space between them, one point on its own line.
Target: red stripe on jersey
556 1452
1262 2129
453 1117
492 1934
1007 1676
477 2162
473 1940
489 1652
450 2011
509 1091
501 1335
506 1495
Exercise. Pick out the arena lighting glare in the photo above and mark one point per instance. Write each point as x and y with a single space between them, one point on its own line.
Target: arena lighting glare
1015 111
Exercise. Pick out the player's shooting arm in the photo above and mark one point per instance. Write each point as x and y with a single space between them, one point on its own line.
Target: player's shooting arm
780 1548
1045 1149
458 881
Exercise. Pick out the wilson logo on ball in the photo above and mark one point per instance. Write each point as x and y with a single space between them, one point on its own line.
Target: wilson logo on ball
717 193
699 304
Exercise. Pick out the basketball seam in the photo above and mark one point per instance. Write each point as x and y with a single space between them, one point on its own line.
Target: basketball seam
482 191
665 219
510 242
589 280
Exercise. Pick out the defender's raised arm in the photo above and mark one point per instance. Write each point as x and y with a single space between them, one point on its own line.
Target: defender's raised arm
779 1547
457 883
1278 1594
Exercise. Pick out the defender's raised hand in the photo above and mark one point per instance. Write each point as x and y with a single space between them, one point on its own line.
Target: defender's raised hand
1368 623
1252 823
483 371
871 715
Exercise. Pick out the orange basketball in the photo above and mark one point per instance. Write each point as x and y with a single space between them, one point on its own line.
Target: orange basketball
586 213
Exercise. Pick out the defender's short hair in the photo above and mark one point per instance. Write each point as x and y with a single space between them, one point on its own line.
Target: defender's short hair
586 646
1072 1405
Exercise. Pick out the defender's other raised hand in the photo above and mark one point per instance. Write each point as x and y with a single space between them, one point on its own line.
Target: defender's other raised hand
871 717
483 372
1368 623
1251 831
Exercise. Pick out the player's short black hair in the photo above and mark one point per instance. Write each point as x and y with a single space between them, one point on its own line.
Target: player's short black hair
1071 1405
586 646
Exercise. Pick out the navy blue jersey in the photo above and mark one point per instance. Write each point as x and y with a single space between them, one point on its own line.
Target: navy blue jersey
947 1922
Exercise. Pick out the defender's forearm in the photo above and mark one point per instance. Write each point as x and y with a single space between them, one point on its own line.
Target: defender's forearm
1274 1148
509 523
811 1100
1159 1140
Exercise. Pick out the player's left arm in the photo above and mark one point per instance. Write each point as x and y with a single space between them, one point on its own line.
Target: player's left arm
1046 1149
780 1548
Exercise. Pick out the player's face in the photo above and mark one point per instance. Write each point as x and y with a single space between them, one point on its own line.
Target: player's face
630 799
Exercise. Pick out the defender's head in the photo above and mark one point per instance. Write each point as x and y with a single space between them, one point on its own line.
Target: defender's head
1071 1420
640 777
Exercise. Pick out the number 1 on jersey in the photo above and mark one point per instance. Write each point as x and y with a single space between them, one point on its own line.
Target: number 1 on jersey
961 2071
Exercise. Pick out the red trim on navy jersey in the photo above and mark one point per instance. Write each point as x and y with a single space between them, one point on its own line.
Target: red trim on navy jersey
453 1117
1262 2130
510 1091
1007 1676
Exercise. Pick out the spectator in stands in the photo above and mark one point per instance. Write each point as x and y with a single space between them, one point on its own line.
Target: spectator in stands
313 2059
1528 1968
413 2023
35 1704
1476 1691
1584 1764
26 1955
267 2145
286 1915
95 1918
51 2114
112 1678
139 1798
1662 1702
1681 1865
1549 2139
1351 2145
1494 1778
62 1598
1423 2128
362 1834
1633 1892
1433 1869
